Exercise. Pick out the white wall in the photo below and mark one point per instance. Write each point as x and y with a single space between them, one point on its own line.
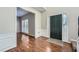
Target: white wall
7 28
72 14
7 20
37 20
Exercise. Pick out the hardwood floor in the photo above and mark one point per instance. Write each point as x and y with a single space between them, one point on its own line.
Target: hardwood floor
67 47
26 43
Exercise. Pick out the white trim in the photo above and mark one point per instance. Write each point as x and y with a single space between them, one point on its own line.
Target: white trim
48 26
77 25
65 39
77 38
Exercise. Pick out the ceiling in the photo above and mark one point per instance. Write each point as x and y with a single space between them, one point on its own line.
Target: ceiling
21 12
41 9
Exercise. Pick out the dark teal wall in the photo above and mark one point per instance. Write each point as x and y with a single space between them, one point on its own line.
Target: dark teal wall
56 26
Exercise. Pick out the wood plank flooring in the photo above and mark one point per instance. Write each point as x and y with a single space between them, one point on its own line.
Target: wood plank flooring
26 43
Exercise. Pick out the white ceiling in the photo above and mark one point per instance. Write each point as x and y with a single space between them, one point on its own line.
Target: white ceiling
21 12
41 9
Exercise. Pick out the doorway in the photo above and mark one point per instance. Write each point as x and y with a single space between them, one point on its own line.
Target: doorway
25 22
58 28
55 29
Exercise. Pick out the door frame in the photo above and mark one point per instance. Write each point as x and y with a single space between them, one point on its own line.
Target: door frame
63 33
29 10
37 20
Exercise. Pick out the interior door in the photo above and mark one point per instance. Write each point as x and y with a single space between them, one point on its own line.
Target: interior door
56 26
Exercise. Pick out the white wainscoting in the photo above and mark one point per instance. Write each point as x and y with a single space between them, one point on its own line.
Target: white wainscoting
7 41
44 33
78 44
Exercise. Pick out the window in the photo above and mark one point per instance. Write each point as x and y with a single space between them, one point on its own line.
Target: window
25 26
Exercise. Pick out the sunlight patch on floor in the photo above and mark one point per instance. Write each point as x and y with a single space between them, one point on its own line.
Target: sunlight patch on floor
48 49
